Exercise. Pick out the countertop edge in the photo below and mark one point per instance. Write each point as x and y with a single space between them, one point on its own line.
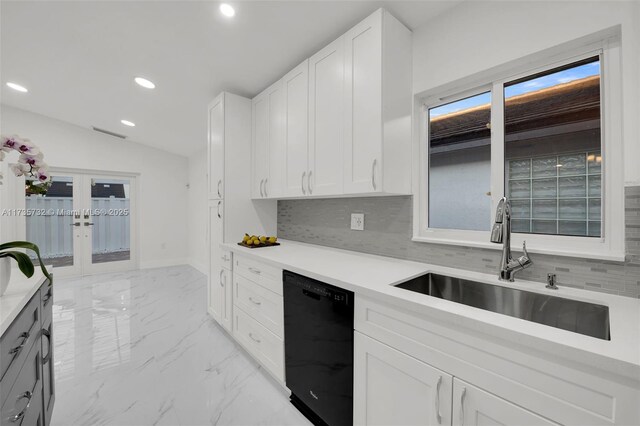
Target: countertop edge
19 291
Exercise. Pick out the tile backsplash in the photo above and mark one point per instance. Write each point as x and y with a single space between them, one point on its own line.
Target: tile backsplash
388 231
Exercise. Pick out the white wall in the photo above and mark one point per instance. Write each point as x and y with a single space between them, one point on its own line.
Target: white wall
476 37
197 211
162 177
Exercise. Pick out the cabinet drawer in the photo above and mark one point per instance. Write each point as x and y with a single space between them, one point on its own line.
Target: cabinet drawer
263 305
226 259
17 340
265 346
266 275
24 398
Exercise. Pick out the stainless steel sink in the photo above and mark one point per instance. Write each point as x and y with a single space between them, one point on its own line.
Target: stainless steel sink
572 315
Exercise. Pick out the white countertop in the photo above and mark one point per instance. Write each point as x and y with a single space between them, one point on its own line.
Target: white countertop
18 294
375 276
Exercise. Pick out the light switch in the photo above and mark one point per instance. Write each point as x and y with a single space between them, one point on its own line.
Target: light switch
357 221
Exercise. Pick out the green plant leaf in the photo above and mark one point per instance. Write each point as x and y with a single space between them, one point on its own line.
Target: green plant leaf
29 246
24 262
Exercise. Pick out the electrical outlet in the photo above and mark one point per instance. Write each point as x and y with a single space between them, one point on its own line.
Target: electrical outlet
357 221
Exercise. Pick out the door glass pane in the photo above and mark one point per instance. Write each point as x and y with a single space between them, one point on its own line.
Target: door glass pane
49 222
552 119
110 215
460 165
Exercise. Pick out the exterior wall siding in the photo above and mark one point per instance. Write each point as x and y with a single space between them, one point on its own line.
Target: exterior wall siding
388 232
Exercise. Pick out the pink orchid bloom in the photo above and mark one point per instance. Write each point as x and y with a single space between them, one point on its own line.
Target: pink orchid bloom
27 148
43 175
31 160
8 143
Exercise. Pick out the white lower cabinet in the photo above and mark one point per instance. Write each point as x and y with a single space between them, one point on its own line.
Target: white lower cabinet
475 407
391 388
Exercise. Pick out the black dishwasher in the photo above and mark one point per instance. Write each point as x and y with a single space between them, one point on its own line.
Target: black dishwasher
318 341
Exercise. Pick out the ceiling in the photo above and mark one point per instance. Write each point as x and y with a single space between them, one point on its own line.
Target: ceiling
78 59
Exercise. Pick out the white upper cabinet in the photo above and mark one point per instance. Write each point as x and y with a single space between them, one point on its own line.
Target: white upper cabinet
377 108
216 148
326 92
296 95
267 137
346 118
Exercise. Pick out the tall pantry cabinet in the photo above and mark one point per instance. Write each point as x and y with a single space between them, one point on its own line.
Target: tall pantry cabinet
231 210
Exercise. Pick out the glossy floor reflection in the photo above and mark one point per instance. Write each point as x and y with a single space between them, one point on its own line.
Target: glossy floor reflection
138 348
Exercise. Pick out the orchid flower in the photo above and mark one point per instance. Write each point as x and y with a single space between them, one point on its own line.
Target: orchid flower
32 160
19 169
9 143
43 175
27 148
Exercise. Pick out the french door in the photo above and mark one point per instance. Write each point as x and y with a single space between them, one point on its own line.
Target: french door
85 223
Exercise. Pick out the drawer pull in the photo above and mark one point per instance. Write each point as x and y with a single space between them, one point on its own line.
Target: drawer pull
438 415
21 414
47 358
255 302
45 299
17 349
254 338
464 393
255 271
221 272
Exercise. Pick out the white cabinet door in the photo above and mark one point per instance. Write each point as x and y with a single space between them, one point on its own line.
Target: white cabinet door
260 145
274 181
474 407
216 236
326 133
216 148
363 107
391 388
296 95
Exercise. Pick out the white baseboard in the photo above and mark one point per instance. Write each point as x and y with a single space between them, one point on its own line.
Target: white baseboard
199 266
163 263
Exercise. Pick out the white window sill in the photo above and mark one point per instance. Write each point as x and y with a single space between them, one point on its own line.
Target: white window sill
600 253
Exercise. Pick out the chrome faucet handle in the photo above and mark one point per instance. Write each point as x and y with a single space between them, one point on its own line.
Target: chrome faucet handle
496 233
524 260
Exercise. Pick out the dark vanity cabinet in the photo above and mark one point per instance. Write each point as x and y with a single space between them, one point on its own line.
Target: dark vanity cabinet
27 390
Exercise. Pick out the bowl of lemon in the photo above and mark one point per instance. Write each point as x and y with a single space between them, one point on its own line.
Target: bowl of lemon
257 241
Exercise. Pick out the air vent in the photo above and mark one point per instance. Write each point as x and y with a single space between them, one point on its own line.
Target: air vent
106 132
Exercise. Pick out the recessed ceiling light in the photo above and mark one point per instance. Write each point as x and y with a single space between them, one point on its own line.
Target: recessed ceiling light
17 87
227 10
145 83
128 123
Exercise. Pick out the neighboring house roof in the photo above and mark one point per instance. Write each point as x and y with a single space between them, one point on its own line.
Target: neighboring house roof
572 102
99 190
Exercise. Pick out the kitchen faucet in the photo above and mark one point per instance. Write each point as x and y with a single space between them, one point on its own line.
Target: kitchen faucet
501 233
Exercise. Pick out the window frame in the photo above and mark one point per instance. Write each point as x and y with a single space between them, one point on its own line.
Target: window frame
611 244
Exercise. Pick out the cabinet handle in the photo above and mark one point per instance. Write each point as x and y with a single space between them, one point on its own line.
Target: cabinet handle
255 302
253 338
219 203
438 415
373 173
464 393
47 358
261 193
220 279
265 187
16 350
219 183
21 414
309 182
255 271
302 183
46 298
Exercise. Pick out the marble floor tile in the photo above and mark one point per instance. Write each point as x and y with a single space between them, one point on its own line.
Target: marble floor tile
138 348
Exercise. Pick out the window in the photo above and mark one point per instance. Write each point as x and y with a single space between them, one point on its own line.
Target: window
545 138
553 150
460 164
